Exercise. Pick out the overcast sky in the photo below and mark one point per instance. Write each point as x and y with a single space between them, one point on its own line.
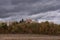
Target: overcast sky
35 9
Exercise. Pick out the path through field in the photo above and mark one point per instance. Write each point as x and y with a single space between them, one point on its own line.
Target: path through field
27 37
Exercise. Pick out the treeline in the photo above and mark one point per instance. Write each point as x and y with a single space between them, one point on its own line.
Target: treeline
30 28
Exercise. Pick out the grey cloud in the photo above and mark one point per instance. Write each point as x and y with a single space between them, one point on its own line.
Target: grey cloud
39 7
10 8
14 2
5 2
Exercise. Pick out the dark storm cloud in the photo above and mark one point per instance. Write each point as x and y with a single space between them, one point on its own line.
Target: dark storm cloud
24 1
27 7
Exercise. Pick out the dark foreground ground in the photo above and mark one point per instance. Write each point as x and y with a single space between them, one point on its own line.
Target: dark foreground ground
27 37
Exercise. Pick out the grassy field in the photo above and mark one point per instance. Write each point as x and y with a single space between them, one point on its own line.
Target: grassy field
27 37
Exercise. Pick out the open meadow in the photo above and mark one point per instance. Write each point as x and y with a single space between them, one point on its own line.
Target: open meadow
27 37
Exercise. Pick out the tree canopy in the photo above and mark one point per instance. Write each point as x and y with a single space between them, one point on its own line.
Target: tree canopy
30 28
